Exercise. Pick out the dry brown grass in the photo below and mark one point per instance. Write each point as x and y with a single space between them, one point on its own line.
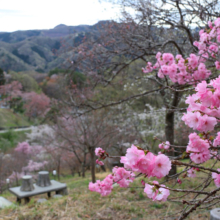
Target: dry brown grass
122 204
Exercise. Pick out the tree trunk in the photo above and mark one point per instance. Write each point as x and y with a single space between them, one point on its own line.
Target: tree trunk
92 154
72 172
83 170
169 127
83 165
103 168
58 170
169 133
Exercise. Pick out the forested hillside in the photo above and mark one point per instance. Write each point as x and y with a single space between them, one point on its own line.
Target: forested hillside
41 50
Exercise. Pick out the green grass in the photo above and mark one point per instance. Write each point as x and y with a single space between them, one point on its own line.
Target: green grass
121 204
10 119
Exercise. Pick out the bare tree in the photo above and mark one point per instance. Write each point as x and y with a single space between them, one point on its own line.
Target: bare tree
85 133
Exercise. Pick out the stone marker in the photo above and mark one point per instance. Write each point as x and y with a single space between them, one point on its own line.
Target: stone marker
4 203
41 200
215 214
57 196
57 187
43 179
27 184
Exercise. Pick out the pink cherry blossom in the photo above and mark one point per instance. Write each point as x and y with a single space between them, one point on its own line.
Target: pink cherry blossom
148 68
99 152
103 187
122 176
216 178
95 187
168 58
24 147
191 173
146 164
191 119
179 181
99 162
162 194
131 158
154 193
216 142
206 123
196 144
210 24
162 166
151 191
200 157
165 145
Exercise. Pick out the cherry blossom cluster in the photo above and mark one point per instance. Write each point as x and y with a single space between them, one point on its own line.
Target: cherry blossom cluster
138 160
192 172
24 147
198 149
99 152
34 166
102 154
216 178
165 145
135 160
15 176
203 114
120 176
178 69
209 39
204 106
191 69
216 142
103 187
156 192
99 162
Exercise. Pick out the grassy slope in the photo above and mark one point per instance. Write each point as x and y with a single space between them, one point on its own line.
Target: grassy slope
121 204
10 119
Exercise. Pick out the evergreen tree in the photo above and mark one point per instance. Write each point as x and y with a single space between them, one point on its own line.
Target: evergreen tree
2 77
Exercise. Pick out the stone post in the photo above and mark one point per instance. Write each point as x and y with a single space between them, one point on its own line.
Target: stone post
215 214
43 179
27 184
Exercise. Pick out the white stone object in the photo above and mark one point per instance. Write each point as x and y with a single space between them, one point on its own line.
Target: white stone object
215 214
54 172
4 203
7 181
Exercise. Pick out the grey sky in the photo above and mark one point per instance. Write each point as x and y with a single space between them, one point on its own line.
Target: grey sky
46 14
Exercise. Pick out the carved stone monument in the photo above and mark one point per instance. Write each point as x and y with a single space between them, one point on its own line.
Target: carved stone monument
43 179
27 184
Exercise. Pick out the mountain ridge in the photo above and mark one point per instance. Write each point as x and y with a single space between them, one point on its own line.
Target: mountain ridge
37 49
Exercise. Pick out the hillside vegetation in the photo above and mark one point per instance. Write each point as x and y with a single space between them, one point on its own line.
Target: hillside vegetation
10 119
41 50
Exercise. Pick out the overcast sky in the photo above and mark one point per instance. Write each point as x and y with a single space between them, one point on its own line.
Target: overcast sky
45 14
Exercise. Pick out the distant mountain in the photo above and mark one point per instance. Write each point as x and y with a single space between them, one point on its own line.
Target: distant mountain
61 30
40 50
